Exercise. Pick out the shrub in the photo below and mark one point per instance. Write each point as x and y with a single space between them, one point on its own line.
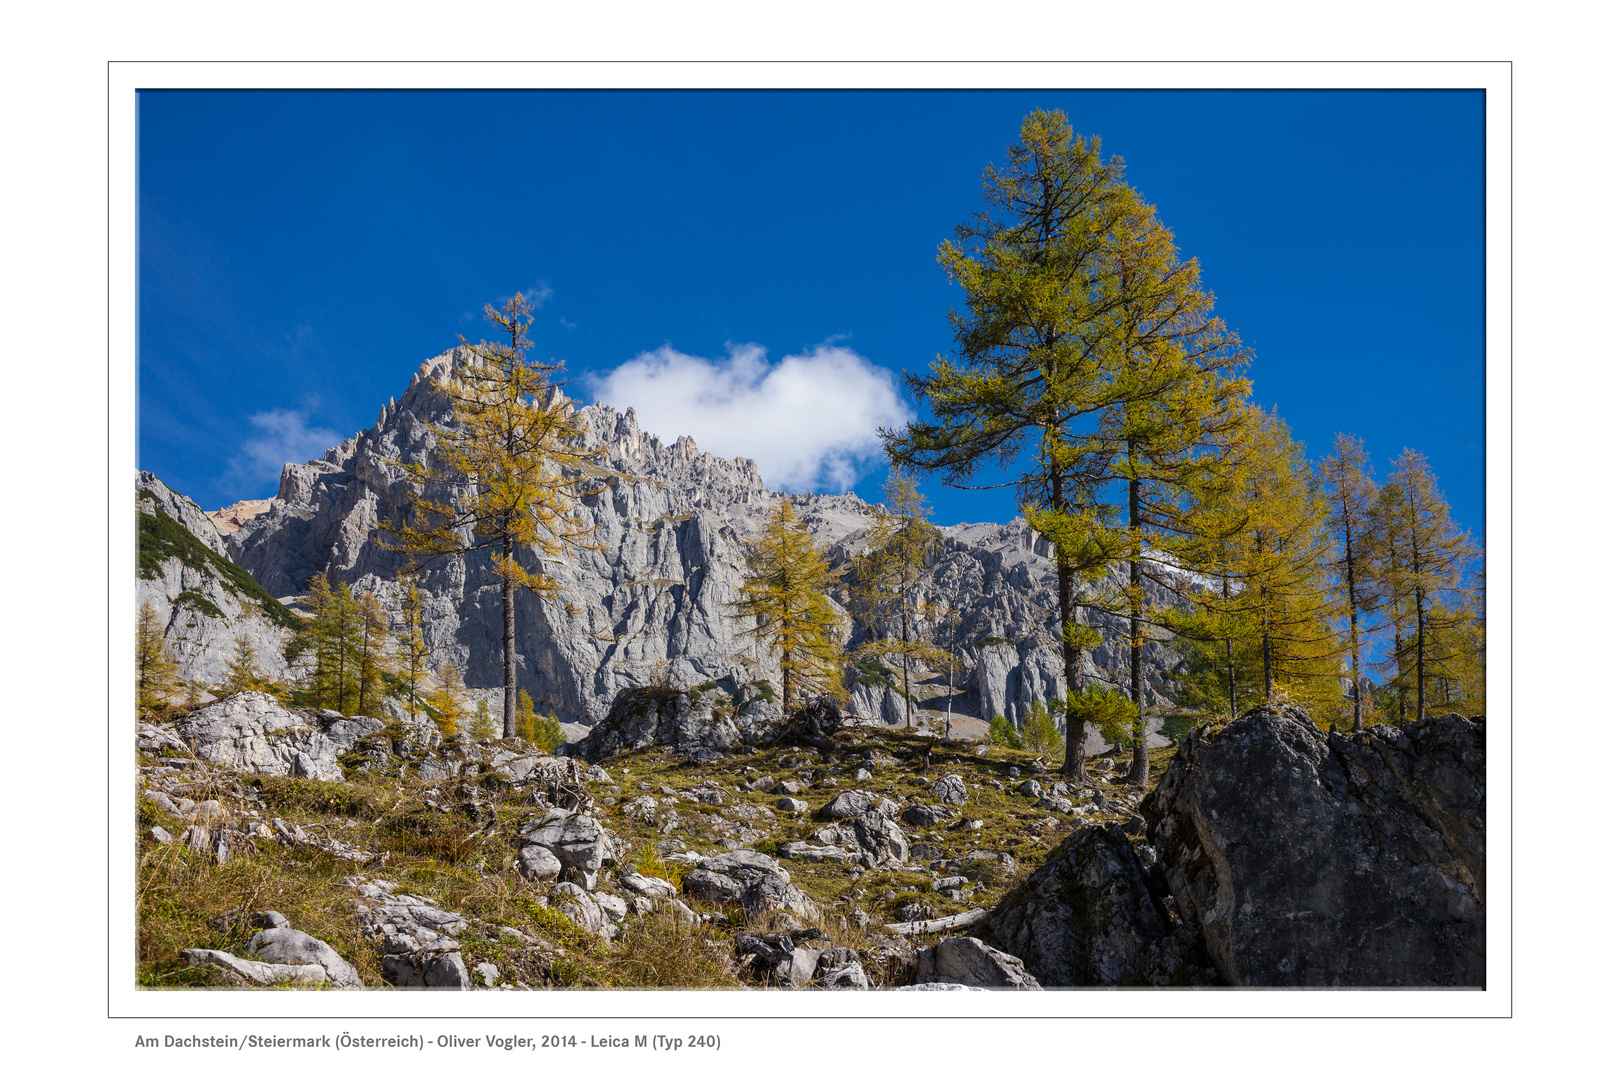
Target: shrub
1003 733
1043 735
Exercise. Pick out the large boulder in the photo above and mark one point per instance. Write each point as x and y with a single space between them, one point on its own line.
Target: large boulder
284 945
1312 859
970 962
1092 916
695 725
253 732
579 843
750 878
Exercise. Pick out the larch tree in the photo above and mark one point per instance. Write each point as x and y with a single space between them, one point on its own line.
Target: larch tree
1029 375
447 699
888 574
1089 356
1285 596
1350 495
155 669
410 648
784 596
1432 555
1170 433
330 643
244 673
374 659
501 470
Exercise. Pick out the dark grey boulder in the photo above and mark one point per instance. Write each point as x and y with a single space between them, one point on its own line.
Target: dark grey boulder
1092 916
1312 859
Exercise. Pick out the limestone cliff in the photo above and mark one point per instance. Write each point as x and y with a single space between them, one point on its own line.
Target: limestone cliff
203 599
648 600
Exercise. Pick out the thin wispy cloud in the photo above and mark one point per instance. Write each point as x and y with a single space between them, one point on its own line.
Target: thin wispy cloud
536 294
809 420
278 436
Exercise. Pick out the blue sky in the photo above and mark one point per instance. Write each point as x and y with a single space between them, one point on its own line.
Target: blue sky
741 264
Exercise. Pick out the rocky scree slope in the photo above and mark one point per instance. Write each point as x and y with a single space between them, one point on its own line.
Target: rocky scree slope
476 865
1268 854
648 602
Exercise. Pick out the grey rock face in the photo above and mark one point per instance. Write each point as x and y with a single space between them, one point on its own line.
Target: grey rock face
252 732
284 945
1089 917
201 611
1307 859
971 962
648 601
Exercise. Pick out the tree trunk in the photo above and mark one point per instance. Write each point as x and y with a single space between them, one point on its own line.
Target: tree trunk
1138 775
905 656
509 645
1420 649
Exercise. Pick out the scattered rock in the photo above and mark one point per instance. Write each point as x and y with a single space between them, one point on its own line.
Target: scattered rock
252 732
880 839
792 806
416 939
579 842
537 862
236 971
925 815
852 804
951 790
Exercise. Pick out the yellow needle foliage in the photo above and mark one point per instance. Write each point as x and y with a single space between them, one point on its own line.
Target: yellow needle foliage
500 479
784 592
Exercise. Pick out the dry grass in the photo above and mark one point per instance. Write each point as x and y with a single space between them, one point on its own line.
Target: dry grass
664 950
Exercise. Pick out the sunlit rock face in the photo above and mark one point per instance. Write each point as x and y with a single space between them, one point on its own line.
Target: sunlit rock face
647 599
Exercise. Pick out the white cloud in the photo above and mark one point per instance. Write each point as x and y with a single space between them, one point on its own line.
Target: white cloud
280 436
810 421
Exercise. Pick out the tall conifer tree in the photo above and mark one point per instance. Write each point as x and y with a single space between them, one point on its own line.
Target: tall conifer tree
155 669
1430 557
410 649
887 575
1089 346
1350 495
513 441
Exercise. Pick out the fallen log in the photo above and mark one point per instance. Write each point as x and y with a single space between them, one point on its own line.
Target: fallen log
934 926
